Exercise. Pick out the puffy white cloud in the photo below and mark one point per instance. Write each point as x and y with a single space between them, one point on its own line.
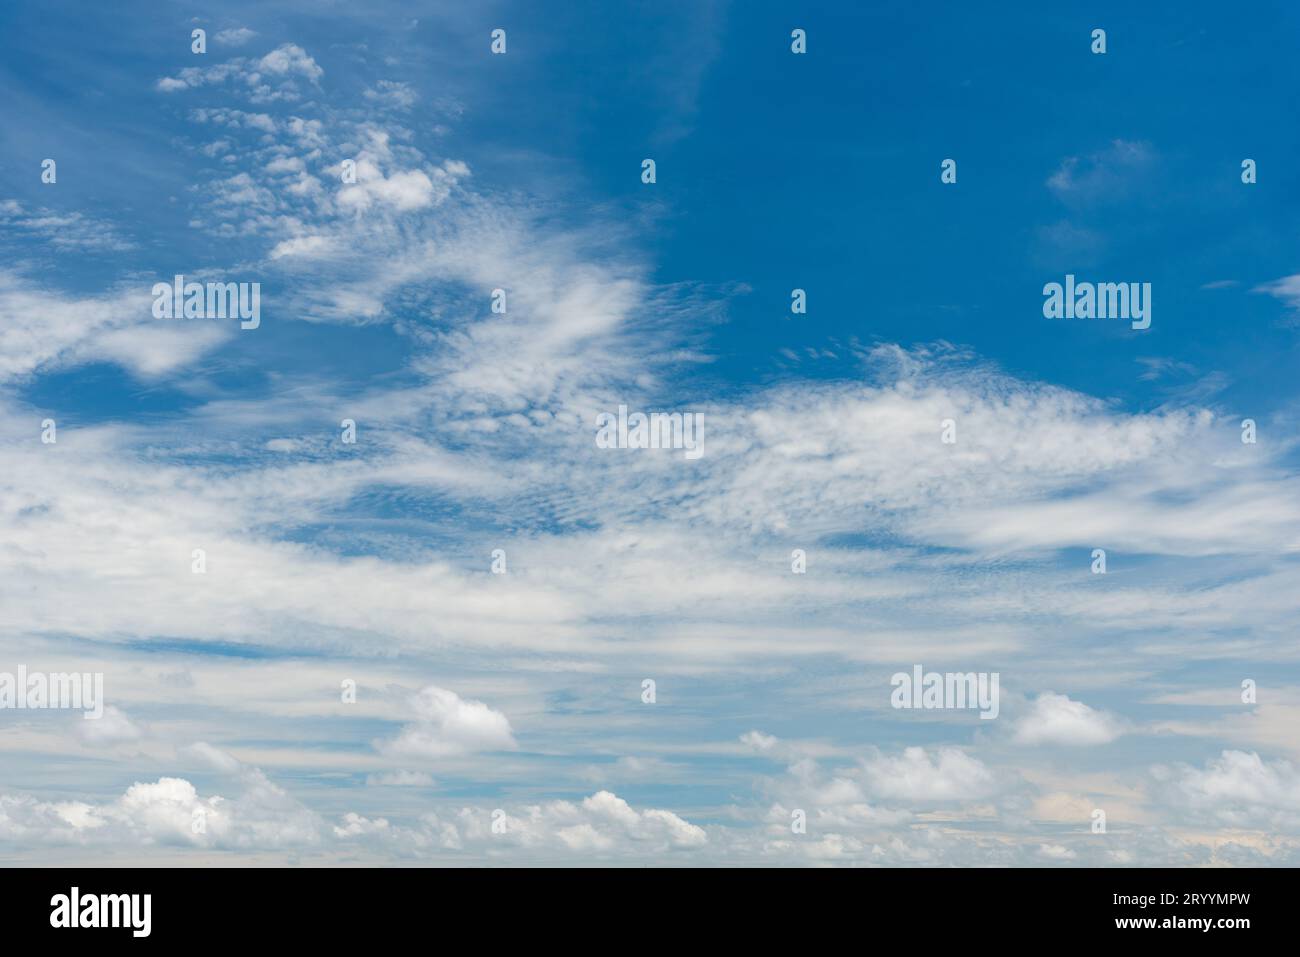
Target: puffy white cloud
758 740
289 58
262 816
447 725
1237 789
1056 719
169 811
600 824
948 774
354 825
400 190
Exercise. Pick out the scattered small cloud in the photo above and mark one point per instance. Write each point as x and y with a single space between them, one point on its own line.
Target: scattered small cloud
235 36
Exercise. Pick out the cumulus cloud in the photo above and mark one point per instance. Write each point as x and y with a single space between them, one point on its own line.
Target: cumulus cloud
948 774
169 811
1237 789
401 190
598 825
289 58
262 816
1056 719
448 726
758 740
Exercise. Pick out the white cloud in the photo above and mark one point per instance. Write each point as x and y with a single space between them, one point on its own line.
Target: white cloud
402 190
213 758
154 348
400 779
289 58
261 816
168 811
235 119
1056 719
283 66
64 231
1056 852
354 825
235 36
41 328
599 825
302 246
1286 289
448 725
111 728
1104 175
915 775
1237 789
388 93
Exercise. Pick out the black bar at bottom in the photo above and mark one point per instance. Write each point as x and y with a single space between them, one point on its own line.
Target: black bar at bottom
1218 908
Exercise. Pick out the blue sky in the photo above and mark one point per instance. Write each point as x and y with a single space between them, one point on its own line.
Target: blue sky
521 692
